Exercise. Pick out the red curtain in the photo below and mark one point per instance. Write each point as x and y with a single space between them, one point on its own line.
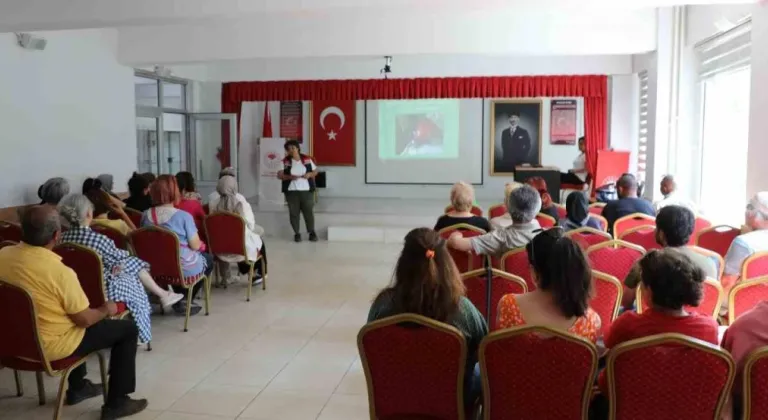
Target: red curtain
594 90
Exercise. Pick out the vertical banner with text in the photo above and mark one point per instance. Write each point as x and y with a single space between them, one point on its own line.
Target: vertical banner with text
271 154
291 122
562 121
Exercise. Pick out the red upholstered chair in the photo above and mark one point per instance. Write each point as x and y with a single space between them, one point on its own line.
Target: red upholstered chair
716 258
716 238
756 265
642 236
226 235
623 224
4 244
546 221
134 215
477 211
21 348
497 210
651 377
701 224
207 208
120 240
596 208
587 236
606 298
10 231
516 262
520 368
414 368
616 258
159 247
501 284
602 220
465 261
710 302
561 212
755 398
745 295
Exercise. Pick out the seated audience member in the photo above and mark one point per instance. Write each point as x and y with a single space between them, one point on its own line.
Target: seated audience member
53 191
107 184
668 188
103 204
754 238
228 171
577 213
124 274
67 326
674 227
579 174
190 199
547 205
670 280
149 176
500 222
194 261
523 205
214 197
426 282
227 189
462 197
628 202
138 188
564 283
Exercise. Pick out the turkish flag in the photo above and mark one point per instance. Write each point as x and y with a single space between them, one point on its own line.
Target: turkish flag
333 133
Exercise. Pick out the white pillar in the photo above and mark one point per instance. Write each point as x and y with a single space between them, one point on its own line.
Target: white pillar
757 160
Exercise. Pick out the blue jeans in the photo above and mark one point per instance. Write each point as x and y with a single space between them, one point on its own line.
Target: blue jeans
474 387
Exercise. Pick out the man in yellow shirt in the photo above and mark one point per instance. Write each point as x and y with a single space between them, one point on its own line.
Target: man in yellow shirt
67 325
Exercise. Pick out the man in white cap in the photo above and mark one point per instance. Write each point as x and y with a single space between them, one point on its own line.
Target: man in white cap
753 239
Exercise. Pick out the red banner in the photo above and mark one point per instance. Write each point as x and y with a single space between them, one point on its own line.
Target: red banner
562 121
291 126
333 132
610 166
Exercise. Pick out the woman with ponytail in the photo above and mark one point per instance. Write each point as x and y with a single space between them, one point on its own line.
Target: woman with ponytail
426 282
564 283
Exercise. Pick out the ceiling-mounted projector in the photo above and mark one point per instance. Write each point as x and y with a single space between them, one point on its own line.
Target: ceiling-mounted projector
31 42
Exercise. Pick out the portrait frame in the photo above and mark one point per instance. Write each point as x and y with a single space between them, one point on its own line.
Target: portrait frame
531 118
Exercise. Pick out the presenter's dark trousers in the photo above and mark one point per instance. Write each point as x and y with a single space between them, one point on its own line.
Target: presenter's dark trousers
301 202
570 178
120 336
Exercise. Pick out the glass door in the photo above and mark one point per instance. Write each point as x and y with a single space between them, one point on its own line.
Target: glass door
207 135
146 143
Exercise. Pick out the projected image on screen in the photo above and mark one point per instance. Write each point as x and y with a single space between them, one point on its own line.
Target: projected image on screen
421 129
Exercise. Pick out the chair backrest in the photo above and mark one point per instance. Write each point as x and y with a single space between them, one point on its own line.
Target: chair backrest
414 366
756 265
717 238
710 303
465 261
745 295
10 231
546 221
87 264
159 247
477 211
700 225
519 365
561 212
651 377
18 321
120 240
716 258
602 220
614 258
134 215
516 262
622 224
226 234
476 282
606 298
596 208
497 210
4 244
587 236
755 399
643 236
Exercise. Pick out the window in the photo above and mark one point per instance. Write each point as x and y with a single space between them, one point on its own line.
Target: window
642 140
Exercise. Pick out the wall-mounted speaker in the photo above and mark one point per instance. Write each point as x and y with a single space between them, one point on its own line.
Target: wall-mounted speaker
31 42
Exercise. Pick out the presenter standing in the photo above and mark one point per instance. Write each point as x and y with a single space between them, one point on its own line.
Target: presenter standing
577 175
298 178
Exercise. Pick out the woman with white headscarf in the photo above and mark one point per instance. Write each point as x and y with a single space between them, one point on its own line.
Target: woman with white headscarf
227 189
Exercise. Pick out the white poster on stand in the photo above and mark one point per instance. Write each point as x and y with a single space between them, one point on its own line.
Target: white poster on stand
271 154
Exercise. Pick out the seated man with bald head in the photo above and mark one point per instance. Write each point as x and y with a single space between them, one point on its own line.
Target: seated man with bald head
67 325
628 202
668 188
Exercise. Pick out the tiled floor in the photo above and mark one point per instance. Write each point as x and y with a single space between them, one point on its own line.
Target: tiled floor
289 354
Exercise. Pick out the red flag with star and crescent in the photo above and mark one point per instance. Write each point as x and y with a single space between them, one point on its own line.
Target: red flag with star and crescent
333 133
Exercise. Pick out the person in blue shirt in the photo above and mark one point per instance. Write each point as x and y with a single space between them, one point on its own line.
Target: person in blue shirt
628 202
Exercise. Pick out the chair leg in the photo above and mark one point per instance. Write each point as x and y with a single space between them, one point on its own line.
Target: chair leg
149 346
62 392
103 372
250 283
40 388
207 287
19 383
263 274
189 307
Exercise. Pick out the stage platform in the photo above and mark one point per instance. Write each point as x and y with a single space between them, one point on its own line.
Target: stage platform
382 220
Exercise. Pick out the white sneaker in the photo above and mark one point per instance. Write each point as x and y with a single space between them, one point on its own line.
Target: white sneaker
171 298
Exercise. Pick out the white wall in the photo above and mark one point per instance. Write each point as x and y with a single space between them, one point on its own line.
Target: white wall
67 111
757 170
704 21
623 108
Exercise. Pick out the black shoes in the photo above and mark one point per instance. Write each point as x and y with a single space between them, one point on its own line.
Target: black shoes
126 407
312 237
180 308
89 390
297 237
